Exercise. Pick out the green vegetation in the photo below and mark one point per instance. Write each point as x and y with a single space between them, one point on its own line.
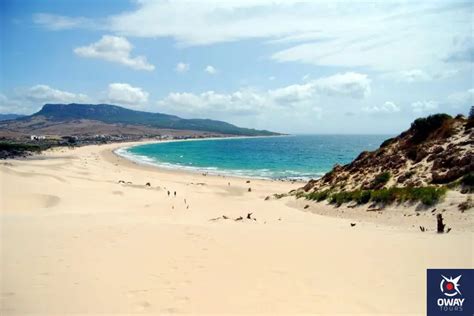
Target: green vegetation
8 146
426 195
14 149
318 196
115 114
424 127
381 179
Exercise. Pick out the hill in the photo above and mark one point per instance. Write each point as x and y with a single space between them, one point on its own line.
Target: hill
418 165
62 116
80 119
6 117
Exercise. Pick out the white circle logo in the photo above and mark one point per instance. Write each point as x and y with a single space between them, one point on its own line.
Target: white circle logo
450 286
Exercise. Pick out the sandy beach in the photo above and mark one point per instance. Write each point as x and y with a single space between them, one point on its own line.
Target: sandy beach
82 233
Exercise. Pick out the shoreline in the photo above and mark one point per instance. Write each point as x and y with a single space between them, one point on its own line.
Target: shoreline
198 170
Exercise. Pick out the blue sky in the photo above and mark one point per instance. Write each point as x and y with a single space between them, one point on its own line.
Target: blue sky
289 66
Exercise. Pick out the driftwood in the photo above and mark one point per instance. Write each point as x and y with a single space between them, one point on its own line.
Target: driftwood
374 209
423 229
218 218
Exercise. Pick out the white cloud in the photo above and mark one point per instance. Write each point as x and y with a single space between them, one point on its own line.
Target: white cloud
424 106
114 49
27 101
350 84
383 35
419 75
413 75
251 102
462 51
271 78
210 70
11 106
385 108
125 94
182 67
58 22
242 102
462 99
45 94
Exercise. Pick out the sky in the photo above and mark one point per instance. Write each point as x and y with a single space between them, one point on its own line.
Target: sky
321 67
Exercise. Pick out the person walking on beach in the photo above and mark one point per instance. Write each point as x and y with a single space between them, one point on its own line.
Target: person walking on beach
168 193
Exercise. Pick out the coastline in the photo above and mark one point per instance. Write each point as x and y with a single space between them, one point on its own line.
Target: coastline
94 245
123 153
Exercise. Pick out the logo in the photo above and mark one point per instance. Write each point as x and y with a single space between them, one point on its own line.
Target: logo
450 292
450 286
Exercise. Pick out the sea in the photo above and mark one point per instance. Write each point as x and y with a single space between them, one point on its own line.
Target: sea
293 157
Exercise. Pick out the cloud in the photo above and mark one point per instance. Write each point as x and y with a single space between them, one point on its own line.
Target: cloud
210 70
419 75
350 84
385 108
424 106
26 101
462 52
125 94
45 94
383 35
252 102
58 22
413 75
114 49
12 106
242 102
182 67
461 99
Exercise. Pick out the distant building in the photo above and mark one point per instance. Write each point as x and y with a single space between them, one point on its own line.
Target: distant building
37 137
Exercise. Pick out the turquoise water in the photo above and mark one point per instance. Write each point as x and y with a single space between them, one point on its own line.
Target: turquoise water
288 157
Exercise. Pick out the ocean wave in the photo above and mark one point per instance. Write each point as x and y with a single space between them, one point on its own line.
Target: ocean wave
263 173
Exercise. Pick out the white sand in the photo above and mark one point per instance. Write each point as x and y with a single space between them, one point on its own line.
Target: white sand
74 241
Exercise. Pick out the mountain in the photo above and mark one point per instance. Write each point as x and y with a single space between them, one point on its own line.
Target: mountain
57 114
6 117
434 151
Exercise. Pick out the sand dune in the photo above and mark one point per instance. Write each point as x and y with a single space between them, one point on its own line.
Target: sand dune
76 241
